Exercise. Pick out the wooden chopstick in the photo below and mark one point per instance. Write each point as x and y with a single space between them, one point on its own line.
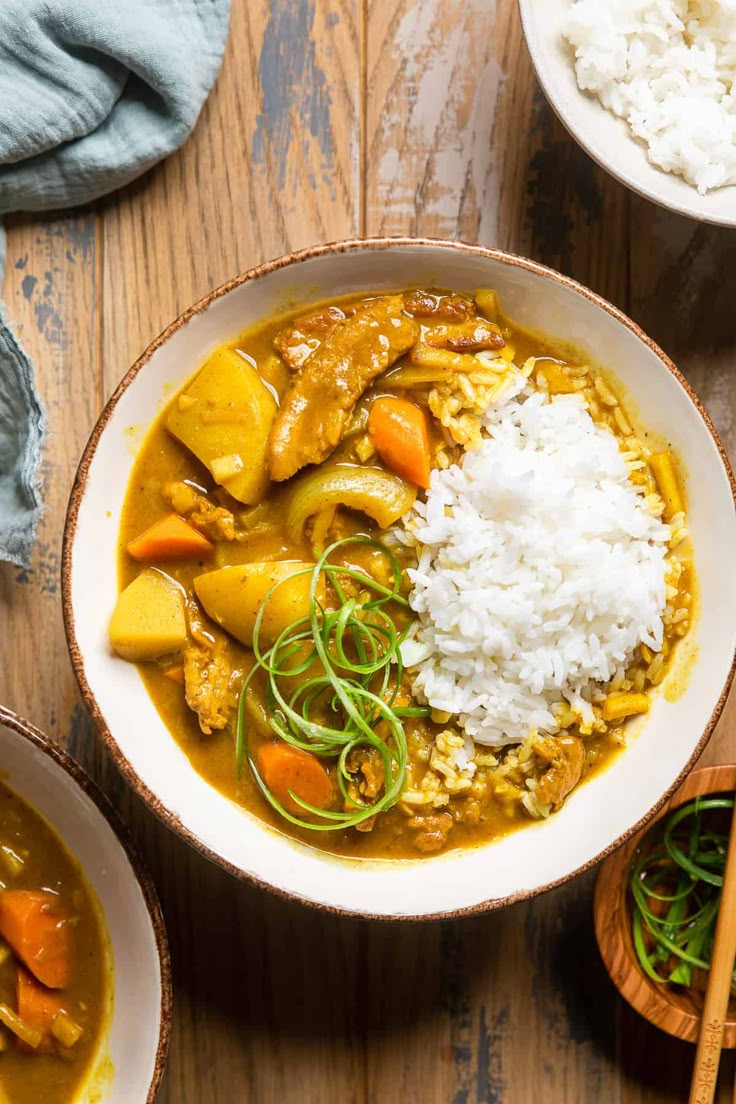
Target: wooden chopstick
710 1040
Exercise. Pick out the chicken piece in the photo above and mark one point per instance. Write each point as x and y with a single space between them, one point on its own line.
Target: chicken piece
319 403
368 779
366 766
208 675
299 340
464 337
431 831
427 304
215 522
565 756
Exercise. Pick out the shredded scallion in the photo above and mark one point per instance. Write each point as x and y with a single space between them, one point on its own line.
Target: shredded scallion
352 647
676 891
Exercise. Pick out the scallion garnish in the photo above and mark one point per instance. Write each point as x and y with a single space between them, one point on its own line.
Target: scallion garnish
676 891
354 644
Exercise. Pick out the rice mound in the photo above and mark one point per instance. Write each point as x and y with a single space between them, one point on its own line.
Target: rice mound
668 67
540 570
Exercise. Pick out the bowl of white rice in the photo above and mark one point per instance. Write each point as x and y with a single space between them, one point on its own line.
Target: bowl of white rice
647 87
537 565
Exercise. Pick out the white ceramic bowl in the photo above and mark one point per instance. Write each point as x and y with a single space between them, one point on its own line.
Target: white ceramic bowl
606 138
598 815
137 1036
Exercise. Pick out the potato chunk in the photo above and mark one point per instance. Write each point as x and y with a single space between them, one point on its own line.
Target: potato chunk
233 596
225 417
620 704
149 618
664 470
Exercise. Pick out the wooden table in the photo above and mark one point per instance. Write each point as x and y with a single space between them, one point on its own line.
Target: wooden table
334 118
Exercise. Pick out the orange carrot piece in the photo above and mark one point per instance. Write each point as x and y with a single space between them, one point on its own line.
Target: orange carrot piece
286 769
172 538
38 1007
176 674
398 431
36 926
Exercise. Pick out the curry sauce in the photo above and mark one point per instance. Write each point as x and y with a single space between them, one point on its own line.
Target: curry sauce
446 328
48 1055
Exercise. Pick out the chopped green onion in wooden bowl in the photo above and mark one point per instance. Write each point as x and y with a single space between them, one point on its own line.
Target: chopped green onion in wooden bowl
666 989
675 884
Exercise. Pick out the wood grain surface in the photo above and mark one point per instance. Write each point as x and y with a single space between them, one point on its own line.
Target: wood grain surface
330 118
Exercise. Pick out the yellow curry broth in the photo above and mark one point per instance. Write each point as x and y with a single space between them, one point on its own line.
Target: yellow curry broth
479 815
56 1077
214 758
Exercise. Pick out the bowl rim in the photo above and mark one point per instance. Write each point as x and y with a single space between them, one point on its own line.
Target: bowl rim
62 758
689 210
643 995
170 818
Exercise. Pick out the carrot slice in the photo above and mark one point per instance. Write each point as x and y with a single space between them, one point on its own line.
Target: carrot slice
287 770
38 1007
398 431
172 538
35 925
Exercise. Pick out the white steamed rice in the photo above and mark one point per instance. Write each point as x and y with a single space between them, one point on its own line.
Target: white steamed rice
540 570
668 67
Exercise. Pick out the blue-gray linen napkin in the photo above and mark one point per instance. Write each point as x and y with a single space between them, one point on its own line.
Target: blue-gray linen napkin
92 94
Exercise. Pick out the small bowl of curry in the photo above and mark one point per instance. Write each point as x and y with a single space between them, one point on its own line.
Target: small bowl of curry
656 903
84 975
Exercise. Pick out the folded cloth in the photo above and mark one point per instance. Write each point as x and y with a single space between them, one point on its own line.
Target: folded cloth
92 93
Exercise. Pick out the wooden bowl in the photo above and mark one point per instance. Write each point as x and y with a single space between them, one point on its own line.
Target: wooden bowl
675 1011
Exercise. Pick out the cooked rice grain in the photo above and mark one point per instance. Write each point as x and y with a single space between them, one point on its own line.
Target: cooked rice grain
540 570
668 67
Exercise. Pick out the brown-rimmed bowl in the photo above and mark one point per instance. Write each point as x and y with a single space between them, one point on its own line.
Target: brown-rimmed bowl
134 1042
673 1009
599 815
